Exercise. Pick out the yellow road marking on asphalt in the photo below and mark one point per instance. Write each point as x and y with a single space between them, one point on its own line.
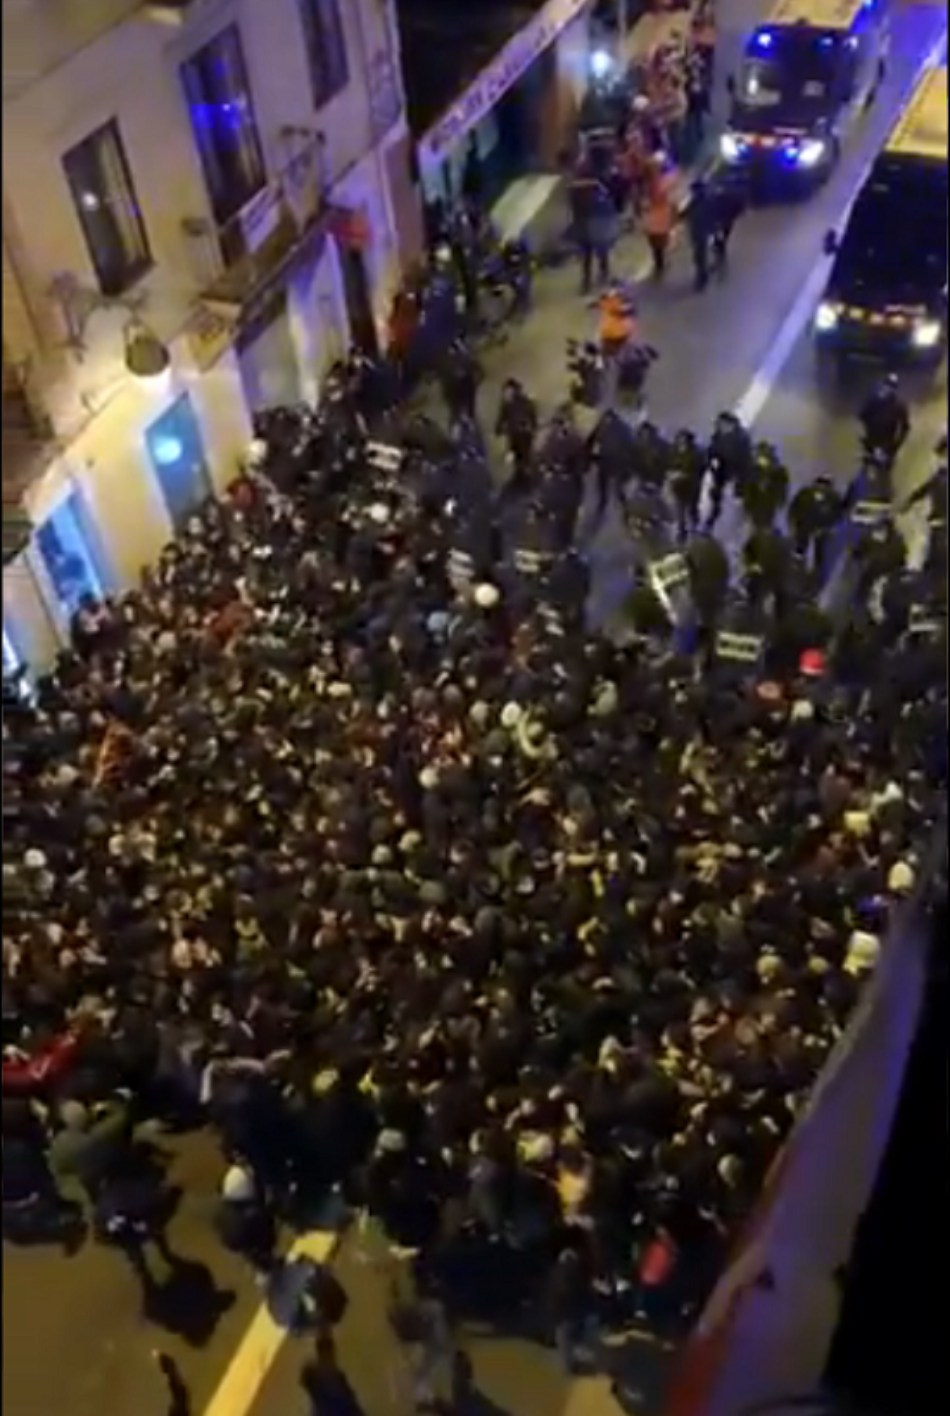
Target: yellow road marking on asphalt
258 1348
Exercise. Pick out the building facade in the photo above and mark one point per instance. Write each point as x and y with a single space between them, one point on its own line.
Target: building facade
507 95
228 179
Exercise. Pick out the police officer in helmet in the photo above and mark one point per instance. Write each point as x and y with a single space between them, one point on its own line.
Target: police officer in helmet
885 420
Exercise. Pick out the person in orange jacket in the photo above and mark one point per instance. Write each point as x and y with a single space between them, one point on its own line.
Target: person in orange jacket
659 217
618 322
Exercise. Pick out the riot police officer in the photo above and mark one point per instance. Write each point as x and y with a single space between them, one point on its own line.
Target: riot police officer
885 420
517 423
898 594
879 551
708 567
813 513
730 461
763 493
651 456
687 466
460 375
611 455
766 558
644 610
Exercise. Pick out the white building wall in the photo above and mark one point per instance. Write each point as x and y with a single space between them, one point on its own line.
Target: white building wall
130 74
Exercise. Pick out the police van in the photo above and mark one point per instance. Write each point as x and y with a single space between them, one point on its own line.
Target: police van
887 294
805 74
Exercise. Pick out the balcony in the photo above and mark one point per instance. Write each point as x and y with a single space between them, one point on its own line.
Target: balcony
246 258
28 443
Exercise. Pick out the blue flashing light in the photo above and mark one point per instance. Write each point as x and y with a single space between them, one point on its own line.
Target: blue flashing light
764 39
826 41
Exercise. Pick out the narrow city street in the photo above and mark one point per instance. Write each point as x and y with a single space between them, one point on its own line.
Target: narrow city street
75 1339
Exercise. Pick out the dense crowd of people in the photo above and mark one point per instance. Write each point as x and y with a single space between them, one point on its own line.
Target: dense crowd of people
416 886
348 834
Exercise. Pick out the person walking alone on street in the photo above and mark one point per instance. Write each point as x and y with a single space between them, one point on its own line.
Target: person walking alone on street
596 223
658 215
700 225
619 334
729 200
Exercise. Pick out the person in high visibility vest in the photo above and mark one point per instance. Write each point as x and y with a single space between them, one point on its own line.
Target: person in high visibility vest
659 216
618 322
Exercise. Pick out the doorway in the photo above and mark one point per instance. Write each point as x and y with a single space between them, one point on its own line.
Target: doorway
359 304
267 358
72 556
177 455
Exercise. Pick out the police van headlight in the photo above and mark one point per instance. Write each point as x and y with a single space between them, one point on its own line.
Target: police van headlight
811 152
731 147
826 317
926 334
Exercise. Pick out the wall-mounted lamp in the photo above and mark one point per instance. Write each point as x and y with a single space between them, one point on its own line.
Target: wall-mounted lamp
146 357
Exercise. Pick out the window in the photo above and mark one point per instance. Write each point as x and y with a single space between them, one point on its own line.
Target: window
326 48
101 186
224 125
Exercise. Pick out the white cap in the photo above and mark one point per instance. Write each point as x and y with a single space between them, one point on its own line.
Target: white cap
767 965
378 513
486 596
511 715
35 859
257 451
238 1185
391 1142
901 878
863 952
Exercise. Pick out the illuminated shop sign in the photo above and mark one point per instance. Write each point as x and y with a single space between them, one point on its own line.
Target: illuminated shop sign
499 76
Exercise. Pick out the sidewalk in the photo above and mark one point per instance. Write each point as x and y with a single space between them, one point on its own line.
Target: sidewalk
536 205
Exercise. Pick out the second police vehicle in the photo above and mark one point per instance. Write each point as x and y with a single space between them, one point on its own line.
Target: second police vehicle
804 74
886 297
